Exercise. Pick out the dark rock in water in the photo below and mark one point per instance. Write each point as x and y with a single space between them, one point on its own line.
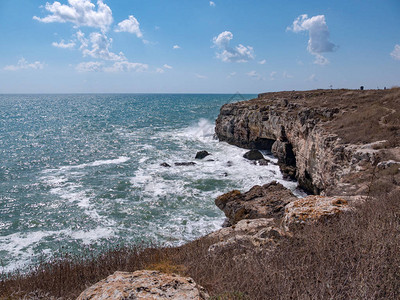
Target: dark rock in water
225 174
165 165
253 155
229 163
210 160
190 163
262 162
267 201
201 154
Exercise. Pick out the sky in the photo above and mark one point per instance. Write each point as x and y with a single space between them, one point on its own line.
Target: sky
197 46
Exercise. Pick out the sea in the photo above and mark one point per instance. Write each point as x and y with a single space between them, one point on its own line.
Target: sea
85 169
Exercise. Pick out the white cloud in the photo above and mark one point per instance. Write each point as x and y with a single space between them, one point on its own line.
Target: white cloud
80 13
167 67
63 45
91 66
160 70
100 46
262 62
126 66
23 64
272 76
318 36
396 52
176 47
287 75
130 25
312 78
200 76
239 53
231 74
119 66
212 3
255 74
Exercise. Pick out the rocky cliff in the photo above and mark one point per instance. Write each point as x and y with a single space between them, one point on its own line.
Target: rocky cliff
334 142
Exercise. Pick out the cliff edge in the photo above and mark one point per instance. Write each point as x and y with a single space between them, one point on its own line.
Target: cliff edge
334 142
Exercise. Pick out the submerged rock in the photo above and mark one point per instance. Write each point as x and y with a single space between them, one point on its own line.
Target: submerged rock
201 154
267 201
190 163
144 284
253 155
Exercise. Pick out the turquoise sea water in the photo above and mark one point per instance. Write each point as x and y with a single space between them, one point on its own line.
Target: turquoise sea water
85 169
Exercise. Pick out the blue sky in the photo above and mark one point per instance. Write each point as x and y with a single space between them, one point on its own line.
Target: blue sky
197 46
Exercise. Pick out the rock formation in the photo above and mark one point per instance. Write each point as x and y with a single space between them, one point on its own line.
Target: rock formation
322 138
145 284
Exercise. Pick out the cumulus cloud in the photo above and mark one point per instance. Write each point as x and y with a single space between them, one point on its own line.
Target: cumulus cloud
231 74
90 66
23 64
130 25
80 13
396 52
160 70
63 45
318 31
287 75
98 46
176 47
167 67
262 62
272 76
212 3
119 66
239 53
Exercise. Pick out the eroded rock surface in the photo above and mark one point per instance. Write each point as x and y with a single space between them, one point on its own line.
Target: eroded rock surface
145 284
329 140
247 235
267 201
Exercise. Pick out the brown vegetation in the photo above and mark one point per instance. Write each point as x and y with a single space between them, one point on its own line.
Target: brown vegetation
363 116
353 256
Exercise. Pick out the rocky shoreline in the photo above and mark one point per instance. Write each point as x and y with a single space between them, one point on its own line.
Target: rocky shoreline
316 143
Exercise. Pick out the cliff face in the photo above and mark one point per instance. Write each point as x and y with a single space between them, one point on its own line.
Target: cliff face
305 131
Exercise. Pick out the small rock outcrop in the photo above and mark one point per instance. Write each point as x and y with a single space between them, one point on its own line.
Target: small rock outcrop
202 154
267 201
145 284
165 165
253 155
247 235
189 163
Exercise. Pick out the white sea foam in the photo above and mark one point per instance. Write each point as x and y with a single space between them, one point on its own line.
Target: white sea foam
97 163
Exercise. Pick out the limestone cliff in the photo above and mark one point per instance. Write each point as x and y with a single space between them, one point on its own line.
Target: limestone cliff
334 142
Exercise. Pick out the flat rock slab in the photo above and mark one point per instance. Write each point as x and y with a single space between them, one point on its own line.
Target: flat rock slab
144 284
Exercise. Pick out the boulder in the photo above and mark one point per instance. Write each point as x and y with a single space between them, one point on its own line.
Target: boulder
201 154
267 201
144 284
253 155
189 163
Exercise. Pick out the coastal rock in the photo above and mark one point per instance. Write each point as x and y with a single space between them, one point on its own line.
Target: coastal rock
247 235
201 154
180 164
145 284
165 165
317 136
313 208
267 201
253 155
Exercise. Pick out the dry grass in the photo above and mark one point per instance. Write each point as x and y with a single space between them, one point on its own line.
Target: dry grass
353 256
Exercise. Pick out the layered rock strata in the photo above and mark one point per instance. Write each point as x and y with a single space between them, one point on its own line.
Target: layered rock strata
305 131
